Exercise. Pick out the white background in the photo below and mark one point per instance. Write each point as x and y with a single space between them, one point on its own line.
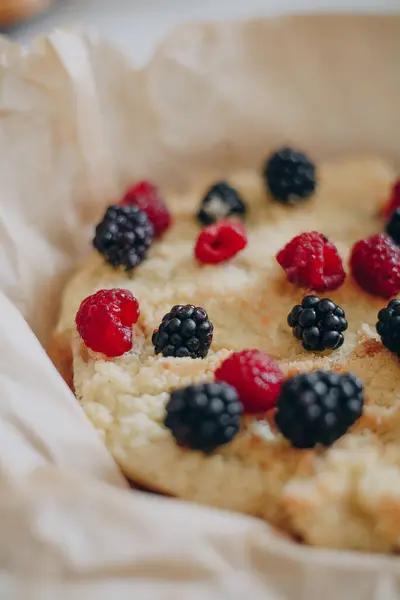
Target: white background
136 25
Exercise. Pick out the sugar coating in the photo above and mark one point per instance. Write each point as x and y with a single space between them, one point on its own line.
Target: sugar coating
346 496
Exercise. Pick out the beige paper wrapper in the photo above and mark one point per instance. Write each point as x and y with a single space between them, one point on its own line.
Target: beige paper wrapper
78 124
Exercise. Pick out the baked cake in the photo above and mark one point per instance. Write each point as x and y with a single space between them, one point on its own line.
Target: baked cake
237 345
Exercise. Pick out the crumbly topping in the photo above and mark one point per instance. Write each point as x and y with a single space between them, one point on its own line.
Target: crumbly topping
347 496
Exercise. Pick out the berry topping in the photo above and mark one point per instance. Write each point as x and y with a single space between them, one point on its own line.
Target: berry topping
220 201
220 242
123 236
184 332
290 176
318 324
375 265
147 198
310 260
318 408
388 326
256 377
393 226
394 201
204 416
104 321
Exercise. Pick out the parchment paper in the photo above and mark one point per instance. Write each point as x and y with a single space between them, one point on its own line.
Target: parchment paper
77 125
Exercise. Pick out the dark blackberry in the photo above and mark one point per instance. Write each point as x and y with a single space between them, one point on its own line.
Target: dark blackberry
393 226
184 332
204 416
220 201
124 236
318 408
318 324
290 176
388 326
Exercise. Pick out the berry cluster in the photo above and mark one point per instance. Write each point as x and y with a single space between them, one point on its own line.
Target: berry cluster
200 417
126 231
309 260
311 409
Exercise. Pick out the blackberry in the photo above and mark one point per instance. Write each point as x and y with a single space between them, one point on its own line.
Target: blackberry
318 408
393 226
124 236
388 326
184 332
318 324
290 176
204 416
220 201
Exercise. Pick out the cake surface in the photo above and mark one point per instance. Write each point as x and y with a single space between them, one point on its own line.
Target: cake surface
343 496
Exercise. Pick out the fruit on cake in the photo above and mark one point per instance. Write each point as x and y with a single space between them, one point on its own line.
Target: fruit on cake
238 345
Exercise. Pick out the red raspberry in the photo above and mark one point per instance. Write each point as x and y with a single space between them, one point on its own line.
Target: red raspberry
220 241
375 265
310 260
394 201
104 321
256 377
147 198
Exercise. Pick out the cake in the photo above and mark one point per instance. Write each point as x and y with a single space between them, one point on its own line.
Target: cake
213 261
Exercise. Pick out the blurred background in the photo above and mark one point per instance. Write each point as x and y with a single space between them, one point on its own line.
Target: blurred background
136 25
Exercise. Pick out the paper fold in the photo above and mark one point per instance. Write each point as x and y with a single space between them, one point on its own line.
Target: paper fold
192 552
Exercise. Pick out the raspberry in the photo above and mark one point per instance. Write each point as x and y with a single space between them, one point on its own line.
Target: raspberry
256 377
375 265
220 242
104 321
147 198
310 260
394 201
